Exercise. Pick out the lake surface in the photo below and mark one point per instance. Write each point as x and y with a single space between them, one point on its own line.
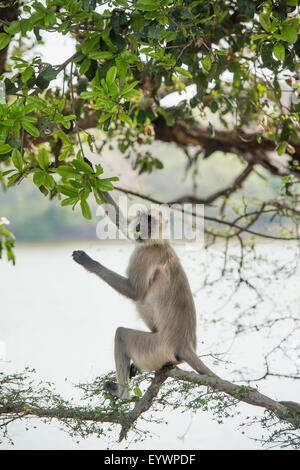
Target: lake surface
57 318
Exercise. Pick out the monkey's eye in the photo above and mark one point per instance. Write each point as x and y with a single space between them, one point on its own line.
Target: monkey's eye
138 228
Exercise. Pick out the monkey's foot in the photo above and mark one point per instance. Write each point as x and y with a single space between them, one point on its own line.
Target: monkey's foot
114 390
168 366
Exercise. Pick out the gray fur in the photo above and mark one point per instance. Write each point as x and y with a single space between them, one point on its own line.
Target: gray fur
157 283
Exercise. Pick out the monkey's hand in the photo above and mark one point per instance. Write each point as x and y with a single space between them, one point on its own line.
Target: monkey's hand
82 258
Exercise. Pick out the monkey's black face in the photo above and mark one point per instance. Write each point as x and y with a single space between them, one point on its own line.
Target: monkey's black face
143 228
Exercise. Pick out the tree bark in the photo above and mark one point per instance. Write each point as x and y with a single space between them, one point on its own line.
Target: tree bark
286 411
232 141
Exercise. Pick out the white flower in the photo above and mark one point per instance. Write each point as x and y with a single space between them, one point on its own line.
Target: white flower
4 221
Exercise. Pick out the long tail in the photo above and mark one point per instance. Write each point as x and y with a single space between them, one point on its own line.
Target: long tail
191 358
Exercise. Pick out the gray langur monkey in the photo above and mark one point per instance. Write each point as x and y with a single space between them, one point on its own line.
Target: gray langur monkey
158 285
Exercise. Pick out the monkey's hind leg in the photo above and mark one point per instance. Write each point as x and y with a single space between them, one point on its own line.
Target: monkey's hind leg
123 369
132 345
113 388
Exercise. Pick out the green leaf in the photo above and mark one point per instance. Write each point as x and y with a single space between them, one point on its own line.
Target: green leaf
43 158
12 179
69 201
37 33
99 170
267 55
122 67
4 40
67 190
98 196
86 95
4 148
214 106
49 181
125 118
39 103
63 137
282 148
111 75
289 34
147 5
137 391
31 129
170 36
206 63
279 51
104 86
183 72
90 44
104 185
3 134
17 159
29 119
85 209
104 117
158 163
68 117
66 171
85 65
129 88
27 74
38 178
8 123
105 55
80 165
49 73
106 38
265 21
14 28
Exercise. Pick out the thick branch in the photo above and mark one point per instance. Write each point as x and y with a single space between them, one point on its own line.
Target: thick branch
144 403
237 183
233 141
248 395
59 413
285 411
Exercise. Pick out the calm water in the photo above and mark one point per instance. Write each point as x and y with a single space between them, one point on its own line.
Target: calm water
59 319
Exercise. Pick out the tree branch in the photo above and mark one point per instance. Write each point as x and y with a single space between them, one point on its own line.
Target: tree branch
77 413
14 406
233 141
145 402
223 192
244 394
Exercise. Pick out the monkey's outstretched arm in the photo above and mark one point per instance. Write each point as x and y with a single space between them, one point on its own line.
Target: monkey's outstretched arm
120 283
